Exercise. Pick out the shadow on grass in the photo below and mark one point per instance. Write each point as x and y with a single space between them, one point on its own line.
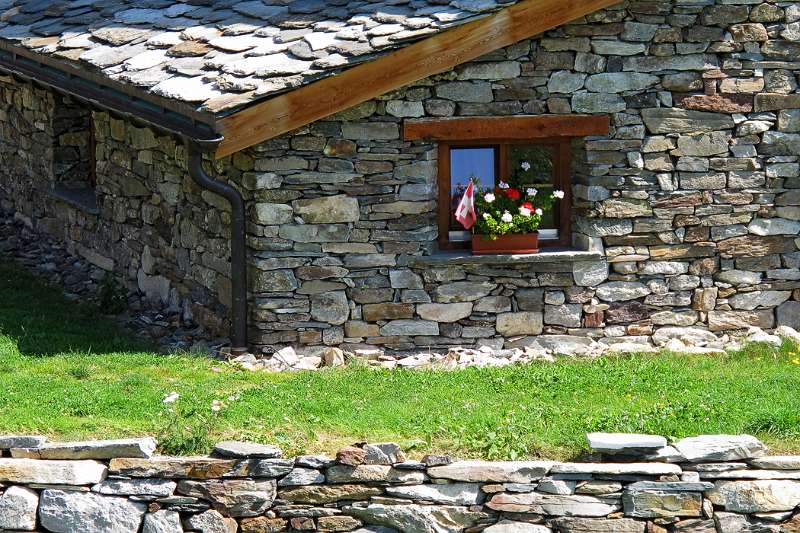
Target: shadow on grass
39 321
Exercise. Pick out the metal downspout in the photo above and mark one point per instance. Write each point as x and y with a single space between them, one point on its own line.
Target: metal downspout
195 151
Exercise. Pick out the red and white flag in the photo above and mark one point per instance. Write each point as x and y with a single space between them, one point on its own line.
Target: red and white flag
465 212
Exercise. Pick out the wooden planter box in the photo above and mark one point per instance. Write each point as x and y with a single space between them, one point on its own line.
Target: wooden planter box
520 243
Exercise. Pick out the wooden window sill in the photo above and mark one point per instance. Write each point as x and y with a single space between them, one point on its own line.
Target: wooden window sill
83 199
464 257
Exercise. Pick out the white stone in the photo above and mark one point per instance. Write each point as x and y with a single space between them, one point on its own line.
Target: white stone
162 522
18 509
448 493
494 472
24 471
755 334
757 496
774 226
619 291
67 512
136 487
509 526
707 448
787 332
649 469
590 273
624 441
211 522
553 504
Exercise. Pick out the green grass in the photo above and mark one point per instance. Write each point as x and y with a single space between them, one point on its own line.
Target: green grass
69 373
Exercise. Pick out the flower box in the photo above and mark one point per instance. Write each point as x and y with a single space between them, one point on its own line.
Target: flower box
513 243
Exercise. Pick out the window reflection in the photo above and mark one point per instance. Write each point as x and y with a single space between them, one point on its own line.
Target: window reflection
466 164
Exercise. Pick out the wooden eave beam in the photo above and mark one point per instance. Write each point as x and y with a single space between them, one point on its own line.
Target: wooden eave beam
513 127
433 55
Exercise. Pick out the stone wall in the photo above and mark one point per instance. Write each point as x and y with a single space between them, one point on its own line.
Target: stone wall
688 211
145 220
691 201
718 483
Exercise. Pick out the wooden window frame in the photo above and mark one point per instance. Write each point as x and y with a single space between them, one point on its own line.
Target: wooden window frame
562 152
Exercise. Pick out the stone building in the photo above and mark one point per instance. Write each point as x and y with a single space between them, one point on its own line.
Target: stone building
337 130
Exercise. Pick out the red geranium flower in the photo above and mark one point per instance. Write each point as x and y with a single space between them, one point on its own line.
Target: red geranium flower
528 205
513 194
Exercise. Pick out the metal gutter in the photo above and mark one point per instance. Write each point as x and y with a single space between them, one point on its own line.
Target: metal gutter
195 149
198 137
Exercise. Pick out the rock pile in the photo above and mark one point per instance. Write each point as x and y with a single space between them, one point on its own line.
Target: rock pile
545 348
705 484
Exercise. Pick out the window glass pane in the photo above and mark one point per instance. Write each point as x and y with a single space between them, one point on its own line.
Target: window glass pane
466 163
540 175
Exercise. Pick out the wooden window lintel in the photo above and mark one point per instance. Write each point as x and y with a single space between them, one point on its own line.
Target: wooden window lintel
506 127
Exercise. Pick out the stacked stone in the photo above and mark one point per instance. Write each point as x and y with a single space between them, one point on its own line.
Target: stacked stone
690 200
713 483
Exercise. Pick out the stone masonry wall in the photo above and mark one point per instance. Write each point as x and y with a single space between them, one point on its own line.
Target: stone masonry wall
692 199
152 228
638 484
688 212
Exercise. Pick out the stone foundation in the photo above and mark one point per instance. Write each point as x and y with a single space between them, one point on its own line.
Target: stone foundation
637 484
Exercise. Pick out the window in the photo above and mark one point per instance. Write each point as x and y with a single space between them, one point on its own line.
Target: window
74 156
493 162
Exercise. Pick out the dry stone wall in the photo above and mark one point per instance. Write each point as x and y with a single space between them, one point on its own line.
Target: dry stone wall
638 484
688 212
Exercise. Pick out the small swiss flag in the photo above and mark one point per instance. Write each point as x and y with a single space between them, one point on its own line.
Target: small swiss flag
465 212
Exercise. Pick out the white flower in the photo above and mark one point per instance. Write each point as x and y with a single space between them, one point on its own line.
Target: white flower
524 211
503 185
486 216
489 197
539 211
558 194
525 166
216 406
507 217
172 397
532 191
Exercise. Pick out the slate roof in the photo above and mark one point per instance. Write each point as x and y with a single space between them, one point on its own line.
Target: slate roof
218 55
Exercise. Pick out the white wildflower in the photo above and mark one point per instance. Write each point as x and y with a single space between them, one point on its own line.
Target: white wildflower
503 185
489 197
486 216
525 166
216 406
558 194
172 397
539 211
524 211
507 217
532 191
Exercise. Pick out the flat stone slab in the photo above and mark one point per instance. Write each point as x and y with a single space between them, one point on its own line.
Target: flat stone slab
761 496
671 486
616 442
777 462
598 525
199 467
493 472
69 511
554 504
97 449
21 441
752 474
136 487
28 471
720 448
447 493
618 469
239 449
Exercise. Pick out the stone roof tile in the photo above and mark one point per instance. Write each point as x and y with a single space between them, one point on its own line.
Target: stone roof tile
223 54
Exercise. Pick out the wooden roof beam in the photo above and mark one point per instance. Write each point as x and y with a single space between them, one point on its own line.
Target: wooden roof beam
363 82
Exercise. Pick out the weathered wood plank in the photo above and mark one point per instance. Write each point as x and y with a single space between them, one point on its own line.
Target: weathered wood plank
506 128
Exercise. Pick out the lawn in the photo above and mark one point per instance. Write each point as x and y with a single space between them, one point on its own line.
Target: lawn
69 373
